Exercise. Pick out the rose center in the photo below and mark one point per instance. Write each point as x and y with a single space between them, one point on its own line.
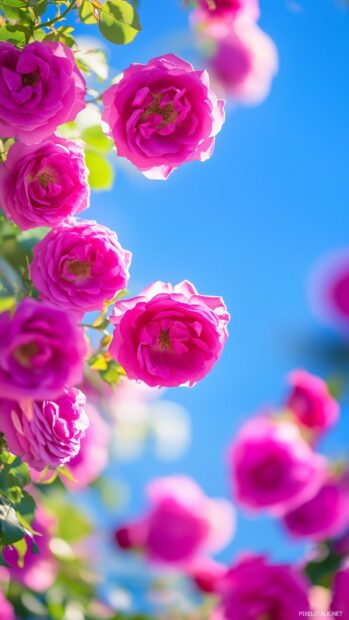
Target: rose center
25 352
164 340
44 179
167 111
30 79
79 269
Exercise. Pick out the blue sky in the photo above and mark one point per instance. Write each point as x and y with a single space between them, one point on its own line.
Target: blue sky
249 225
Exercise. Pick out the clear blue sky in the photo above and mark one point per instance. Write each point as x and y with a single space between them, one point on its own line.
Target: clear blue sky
249 224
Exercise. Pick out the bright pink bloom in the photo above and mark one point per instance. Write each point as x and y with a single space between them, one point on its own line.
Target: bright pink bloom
41 350
323 516
43 185
230 8
181 523
40 88
52 436
6 609
340 599
93 455
169 336
273 468
253 589
207 574
39 569
311 402
162 115
79 266
329 290
244 63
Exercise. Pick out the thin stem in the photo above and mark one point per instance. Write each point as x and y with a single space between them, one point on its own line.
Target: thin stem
51 22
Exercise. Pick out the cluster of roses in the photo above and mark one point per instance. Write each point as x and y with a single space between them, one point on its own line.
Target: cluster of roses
273 466
160 115
242 58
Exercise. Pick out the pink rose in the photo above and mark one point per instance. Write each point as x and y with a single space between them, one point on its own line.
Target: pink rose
39 570
323 516
340 599
41 350
52 436
6 609
45 184
79 266
311 403
207 574
244 63
40 88
162 115
93 455
253 589
216 18
273 468
329 290
180 525
169 336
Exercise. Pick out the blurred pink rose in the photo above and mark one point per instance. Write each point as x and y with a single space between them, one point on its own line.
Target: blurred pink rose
39 570
45 184
6 609
329 290
323 516
215 18
93 455
52 436
40 88
253 589
162 115
340 599
207 574
311 403
41 350
272 467
181 524
228 8
244 63
169 336
79 266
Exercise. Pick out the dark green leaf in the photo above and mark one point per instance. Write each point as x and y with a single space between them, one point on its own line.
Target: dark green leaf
118 21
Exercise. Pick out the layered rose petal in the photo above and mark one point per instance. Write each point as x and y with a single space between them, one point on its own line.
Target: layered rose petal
169 336
40 88
79 266
244 63
311 403
181 524
324 516
43 185
254 589
273 468
41 350
52 436
163 114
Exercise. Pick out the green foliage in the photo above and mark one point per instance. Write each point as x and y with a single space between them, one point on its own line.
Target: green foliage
16 505
96 139
118 21
101 172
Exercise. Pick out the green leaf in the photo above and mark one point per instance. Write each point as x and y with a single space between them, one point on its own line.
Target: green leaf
101 175
87 13
10 528
118 21
10 34
20 472
96 139
39 6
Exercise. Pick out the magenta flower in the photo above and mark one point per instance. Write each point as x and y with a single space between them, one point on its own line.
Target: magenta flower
244 64
39 570
162 115
323 516
41 350
329 290
40 88
93 455
254 589
6 609
340 599
273 468
180 525
226 9
311 403
79 266
45 184
52 436
169 336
